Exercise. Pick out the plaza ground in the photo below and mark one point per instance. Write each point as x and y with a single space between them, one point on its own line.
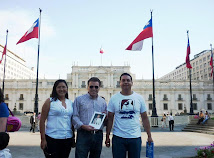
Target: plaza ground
175 144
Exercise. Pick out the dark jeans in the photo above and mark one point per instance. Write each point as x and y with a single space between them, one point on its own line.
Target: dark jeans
33 125
200 120
88 142
121 145
57 148
171 125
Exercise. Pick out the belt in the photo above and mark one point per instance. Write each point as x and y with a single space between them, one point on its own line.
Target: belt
91 132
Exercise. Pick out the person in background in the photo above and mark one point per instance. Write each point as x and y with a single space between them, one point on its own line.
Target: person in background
33 122
4 140
4 113
89 140
207 116
200 118
164 121
56 137
125 109
38 120
171 122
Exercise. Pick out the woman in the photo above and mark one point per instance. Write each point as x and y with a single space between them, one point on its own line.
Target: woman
164 120
56 138
207 116
4 113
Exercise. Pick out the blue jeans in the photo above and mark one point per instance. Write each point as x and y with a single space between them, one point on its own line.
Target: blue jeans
121 145
88 143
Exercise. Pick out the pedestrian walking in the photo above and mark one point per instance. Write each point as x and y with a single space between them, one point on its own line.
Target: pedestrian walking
33 122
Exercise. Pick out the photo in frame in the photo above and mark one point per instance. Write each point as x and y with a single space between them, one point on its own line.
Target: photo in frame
97 120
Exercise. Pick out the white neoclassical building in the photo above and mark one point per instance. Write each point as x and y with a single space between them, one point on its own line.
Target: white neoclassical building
171 95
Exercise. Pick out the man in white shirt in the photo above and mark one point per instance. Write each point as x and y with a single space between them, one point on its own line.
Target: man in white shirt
125 109
171 122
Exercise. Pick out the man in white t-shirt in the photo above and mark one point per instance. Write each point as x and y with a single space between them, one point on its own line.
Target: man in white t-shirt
125 109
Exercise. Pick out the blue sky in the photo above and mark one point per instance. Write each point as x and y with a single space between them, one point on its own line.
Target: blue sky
73 32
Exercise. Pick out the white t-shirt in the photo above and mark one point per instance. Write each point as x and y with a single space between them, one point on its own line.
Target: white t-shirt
127 110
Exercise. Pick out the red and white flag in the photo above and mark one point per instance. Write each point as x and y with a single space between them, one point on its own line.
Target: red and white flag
211 63
4 52
188 65
33 32
101 51
137 44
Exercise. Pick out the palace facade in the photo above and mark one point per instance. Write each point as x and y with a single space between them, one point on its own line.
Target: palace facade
170 95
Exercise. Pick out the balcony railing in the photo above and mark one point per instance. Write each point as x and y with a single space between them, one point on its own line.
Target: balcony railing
209 98
165 98
117 86
21 98
194 99
6 98
180 98
150 98
83 86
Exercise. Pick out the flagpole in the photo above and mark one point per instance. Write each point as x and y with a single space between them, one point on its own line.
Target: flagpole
37 75
154 111
101 60
4 63
190 86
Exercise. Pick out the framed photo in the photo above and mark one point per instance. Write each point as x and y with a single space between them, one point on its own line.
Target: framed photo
97 120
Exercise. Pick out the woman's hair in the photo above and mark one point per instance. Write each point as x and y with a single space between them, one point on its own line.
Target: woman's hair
1 96
4 137
54 94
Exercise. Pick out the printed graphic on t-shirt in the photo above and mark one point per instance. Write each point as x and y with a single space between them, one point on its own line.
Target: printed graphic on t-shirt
127 109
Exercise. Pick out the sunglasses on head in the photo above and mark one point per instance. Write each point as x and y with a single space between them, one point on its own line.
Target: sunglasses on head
91 87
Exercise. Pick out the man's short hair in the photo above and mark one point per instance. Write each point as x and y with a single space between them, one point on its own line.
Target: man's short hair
94 79
123 74
4 137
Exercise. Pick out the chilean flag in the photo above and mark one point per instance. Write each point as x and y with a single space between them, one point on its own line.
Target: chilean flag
188 65
4 52
137 44
211 63
33 32
101 51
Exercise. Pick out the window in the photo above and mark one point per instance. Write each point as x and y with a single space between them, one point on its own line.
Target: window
101 84
194 97
180 107
20 106
21 97
150 106
83 84
208 97
209 106
118 84
194 106
150 97
165 106
165 97
179 97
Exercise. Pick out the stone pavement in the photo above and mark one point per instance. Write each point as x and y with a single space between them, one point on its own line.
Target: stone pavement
175 144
